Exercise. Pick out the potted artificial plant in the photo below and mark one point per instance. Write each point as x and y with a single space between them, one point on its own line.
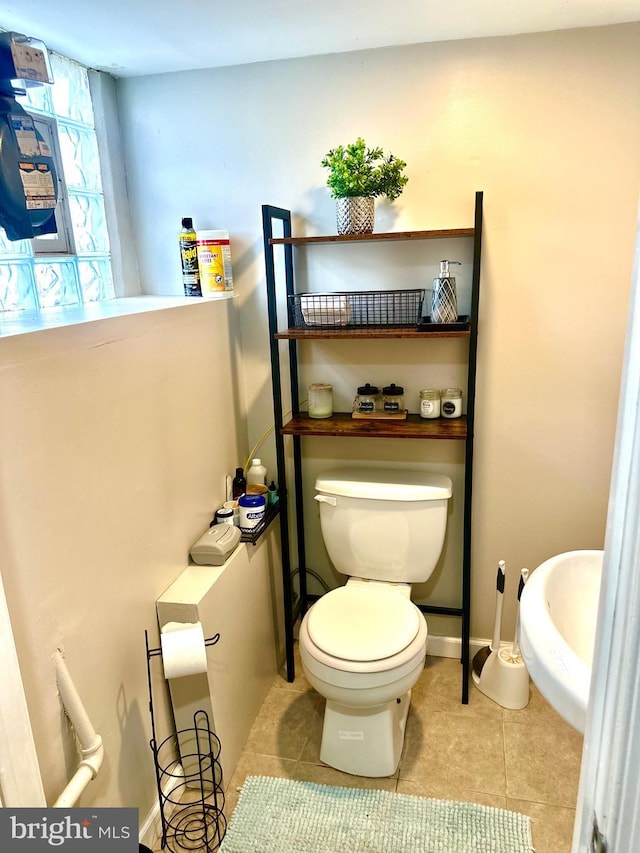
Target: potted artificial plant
357 175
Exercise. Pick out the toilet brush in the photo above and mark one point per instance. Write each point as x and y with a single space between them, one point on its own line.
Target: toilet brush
514 655
480 657
503 676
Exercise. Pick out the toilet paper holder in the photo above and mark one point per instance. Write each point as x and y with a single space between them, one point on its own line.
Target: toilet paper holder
202 817
183 648
208 641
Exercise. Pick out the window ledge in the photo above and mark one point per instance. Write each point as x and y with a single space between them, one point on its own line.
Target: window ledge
22 322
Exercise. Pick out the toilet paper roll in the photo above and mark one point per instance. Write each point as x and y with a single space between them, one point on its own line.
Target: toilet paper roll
183 649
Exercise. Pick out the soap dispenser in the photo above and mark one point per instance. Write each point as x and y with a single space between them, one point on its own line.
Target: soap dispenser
444 302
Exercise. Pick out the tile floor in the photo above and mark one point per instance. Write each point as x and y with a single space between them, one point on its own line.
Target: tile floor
527 761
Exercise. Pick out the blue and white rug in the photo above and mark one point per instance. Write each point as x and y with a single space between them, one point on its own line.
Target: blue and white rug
283 816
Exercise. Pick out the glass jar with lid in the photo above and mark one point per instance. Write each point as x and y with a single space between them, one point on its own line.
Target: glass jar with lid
451 402
366 401
393 399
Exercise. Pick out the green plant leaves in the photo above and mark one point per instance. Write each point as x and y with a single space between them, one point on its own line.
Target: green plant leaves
356 170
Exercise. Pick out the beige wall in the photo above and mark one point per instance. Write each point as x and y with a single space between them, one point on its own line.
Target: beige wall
115 439
548 125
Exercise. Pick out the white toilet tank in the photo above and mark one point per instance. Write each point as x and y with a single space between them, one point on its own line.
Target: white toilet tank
383 524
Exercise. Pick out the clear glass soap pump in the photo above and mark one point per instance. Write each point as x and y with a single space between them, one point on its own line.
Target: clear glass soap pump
444 302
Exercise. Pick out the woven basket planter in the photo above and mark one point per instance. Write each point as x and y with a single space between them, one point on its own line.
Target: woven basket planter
355 215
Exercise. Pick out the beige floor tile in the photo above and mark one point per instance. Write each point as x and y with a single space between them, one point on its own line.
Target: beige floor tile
283 723
439 688
300 683
456 748
527 761
442 791
551 826
543 762
323 775
537 712
251 764
311 750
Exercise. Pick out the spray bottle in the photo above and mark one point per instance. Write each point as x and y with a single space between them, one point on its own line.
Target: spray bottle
189 258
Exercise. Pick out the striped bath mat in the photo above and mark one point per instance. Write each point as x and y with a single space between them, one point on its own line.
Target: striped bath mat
283 816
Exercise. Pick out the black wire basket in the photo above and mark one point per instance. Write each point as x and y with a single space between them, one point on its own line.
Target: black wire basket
356 308
191 798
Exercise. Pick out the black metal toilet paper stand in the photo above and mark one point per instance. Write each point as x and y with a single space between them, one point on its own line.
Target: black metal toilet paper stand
190 793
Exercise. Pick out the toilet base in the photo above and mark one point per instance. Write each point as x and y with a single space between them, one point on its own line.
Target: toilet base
365 741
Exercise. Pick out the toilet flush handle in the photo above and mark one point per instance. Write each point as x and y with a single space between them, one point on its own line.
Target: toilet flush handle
326 499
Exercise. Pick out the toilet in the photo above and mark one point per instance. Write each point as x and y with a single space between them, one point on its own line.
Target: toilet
363 645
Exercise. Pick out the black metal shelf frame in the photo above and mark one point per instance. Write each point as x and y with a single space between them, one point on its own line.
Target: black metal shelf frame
292 610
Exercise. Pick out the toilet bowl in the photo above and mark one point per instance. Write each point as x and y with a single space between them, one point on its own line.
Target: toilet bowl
363 645
367 697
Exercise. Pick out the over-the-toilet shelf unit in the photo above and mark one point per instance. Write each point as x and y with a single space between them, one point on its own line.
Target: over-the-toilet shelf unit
342 424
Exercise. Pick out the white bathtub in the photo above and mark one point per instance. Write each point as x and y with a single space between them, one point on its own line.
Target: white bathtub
558 613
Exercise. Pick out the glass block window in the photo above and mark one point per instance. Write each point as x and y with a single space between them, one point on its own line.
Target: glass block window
30 278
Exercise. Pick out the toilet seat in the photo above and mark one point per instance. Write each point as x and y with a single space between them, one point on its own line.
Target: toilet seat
360 674
341 670
363 623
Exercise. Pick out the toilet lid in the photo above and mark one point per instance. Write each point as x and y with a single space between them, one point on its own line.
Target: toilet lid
363 623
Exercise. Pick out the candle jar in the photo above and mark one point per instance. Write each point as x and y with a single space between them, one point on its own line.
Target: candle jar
224 515
320 396
430 403
451 402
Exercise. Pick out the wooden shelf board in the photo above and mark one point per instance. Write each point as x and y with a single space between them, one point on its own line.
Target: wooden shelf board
342 424
362 238
372 332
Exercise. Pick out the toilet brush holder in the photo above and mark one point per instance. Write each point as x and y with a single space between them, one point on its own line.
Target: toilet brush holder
504 678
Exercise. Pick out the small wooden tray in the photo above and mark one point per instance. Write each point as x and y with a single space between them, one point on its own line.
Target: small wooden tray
380 416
